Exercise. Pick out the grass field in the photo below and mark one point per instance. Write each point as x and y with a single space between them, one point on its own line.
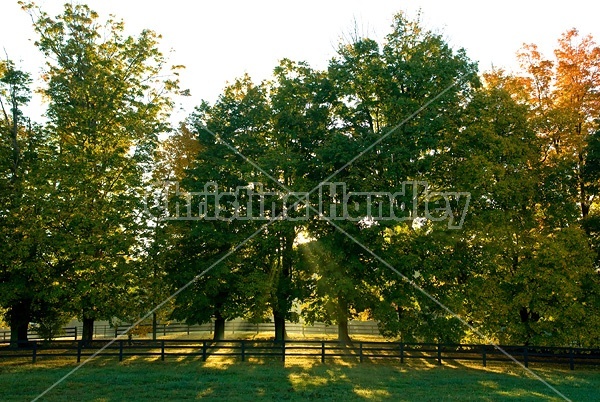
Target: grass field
224 379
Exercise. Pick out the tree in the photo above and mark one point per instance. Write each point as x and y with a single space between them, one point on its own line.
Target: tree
25 291
277 125
377 91
566 102
300 102
518 244
174 155
235 287
107 104
563 95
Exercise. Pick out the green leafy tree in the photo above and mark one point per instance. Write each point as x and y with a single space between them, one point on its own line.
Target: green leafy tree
378 89
236 286
25 291
515 266
277 125
107 103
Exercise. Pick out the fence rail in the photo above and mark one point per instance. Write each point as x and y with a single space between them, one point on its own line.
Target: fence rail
231 327
323 350
32 335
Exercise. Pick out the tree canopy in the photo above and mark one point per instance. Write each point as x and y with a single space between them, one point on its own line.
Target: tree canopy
280 200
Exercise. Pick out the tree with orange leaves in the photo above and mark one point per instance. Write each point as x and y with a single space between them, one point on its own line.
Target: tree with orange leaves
565 97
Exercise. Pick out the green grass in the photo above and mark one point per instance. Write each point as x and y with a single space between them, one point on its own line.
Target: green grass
138 379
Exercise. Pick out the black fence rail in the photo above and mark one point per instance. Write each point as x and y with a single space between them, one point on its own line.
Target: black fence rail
322 350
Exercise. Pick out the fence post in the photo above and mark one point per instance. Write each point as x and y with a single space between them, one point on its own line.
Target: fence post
571 361
121 350
525 356
203 351
439 353
243 350
79 351
34 354
322 351
401 352
360 352
164 329
188 329
484 353
75 333
283 350
162 350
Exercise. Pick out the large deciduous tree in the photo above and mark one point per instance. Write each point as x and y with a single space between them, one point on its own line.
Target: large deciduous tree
26 290
235 287
107 103
277 125
378 89
565 97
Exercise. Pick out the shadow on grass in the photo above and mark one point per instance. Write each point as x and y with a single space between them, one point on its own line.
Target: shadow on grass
225 378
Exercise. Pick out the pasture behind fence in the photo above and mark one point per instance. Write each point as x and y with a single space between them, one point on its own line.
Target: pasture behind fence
243 327
231 327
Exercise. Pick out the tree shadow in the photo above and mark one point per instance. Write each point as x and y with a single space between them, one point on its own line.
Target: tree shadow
297 379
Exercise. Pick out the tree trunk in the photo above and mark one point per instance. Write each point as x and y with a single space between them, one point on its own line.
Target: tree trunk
219 333
343 335
18 335
583 193
284 285
18 319
342 322
280 333
154 326
585 209
88 330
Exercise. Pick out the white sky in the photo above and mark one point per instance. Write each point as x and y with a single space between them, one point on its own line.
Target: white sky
220 40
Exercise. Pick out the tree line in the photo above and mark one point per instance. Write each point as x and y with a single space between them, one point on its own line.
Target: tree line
83 229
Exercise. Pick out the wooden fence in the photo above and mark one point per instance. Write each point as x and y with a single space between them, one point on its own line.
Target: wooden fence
231 327
67 332
322 350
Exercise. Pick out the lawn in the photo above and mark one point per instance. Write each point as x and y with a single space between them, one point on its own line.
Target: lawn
224 379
